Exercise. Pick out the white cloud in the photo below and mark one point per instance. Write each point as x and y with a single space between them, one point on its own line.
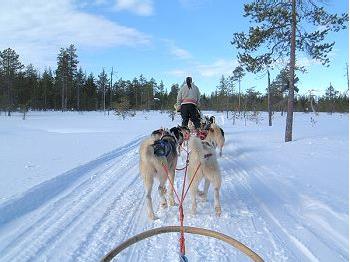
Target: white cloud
217 68
178 73
177 51
201 71
139 7
180 53
37 29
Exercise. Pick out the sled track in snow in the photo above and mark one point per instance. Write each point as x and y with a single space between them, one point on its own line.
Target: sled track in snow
88 194
85 212
43 192
270 206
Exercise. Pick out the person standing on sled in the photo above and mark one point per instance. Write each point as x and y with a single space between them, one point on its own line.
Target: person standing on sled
187 101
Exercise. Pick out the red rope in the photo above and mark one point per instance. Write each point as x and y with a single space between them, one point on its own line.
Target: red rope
183 195
171 183
192 180
184 181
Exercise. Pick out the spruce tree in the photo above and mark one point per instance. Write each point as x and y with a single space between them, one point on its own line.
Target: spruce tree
10 67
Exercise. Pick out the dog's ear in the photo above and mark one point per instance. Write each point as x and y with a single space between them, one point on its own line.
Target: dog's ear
212 119
157 132
175 132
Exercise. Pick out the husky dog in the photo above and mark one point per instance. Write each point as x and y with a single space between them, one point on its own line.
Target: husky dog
203 155
191 125
157 154
216 135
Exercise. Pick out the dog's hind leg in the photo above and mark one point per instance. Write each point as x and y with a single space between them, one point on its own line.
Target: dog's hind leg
162 192
204 194
148 180
171 191
217 205
193 192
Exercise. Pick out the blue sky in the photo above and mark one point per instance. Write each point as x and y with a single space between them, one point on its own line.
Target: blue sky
164 39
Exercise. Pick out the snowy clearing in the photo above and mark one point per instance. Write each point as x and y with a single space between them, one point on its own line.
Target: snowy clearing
71 190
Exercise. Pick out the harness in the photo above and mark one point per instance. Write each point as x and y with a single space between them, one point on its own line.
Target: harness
163 146
202 134
208 155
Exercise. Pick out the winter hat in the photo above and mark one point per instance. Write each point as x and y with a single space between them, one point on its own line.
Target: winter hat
189 81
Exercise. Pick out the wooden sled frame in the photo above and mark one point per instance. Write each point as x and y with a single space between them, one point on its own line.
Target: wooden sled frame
192 230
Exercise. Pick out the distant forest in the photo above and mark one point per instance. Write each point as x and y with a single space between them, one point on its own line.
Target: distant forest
68 87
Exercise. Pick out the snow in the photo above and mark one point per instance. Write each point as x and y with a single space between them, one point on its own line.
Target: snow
71 191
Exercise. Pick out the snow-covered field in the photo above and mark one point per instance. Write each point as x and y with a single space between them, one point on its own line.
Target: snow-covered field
70 190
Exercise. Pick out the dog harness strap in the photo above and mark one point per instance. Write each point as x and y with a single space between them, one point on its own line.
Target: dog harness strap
208 155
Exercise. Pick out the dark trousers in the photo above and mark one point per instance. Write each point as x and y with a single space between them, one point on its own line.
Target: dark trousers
189 111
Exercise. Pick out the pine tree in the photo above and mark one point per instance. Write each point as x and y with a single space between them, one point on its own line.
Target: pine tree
331 96
90 101
29 94
72 72
279 32
47 84
80 80
102 85
10 67
62 75
237 75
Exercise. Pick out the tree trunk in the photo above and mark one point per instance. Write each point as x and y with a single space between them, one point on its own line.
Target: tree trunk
78 96
239 96
66 93
9 95
269 98
62 94
110 91
104 99
347 74
290 107
312 104
45 96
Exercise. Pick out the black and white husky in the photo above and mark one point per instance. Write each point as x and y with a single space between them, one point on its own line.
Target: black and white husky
158 156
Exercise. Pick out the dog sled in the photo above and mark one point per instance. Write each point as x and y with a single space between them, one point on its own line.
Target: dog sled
177 229
161 149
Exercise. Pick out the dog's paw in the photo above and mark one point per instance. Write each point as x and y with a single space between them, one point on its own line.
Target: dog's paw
194 211
172 203
162 189
200 193
218 211
202 196
152 217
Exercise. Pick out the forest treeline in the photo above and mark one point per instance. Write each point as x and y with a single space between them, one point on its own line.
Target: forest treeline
70 88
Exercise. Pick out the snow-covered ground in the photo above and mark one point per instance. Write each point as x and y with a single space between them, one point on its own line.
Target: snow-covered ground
70 190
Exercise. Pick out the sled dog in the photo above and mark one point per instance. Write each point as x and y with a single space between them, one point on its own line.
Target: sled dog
157 153
203 154
216 135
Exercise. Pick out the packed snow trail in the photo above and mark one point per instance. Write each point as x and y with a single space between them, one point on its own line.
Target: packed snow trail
85 212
